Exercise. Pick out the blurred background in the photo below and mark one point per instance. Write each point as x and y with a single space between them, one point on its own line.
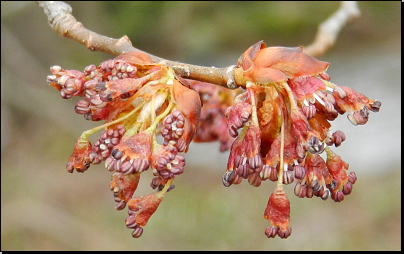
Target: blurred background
45 208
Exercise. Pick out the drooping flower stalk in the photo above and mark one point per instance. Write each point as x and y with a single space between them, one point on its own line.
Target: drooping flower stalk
281 153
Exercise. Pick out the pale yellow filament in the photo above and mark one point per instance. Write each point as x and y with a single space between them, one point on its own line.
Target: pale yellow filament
280 173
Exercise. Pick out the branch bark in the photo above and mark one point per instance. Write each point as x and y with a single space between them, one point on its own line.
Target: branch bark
64 23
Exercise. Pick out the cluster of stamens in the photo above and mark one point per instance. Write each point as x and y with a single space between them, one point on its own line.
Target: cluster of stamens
93 85
237 116
167 162
173 127
106 142
213 122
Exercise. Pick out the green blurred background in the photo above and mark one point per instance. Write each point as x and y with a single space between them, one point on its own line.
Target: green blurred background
45 208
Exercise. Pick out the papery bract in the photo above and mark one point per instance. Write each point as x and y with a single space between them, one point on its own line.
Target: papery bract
123 187
80 159
274 64
277 212
189 103
132 154
136 57
338 169
144 207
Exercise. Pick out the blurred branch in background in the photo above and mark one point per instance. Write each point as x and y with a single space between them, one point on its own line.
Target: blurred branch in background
328 31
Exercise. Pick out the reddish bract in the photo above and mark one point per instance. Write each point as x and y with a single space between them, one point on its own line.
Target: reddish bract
189 103
144 207
278 212
275 64
123 187
80 159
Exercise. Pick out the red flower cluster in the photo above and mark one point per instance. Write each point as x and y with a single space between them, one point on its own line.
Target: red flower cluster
275 129
283 117
138 100
213 123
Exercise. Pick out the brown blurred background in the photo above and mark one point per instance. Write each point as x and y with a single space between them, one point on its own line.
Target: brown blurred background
45 208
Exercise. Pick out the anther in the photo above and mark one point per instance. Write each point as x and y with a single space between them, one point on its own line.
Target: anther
333 184
315 146
315 185
116 154
325 76
340 92
347 188
352 177
375 106
271 232
337 196
288 177
284 233
137 232
228 178
309 111
297 188
121 205
55 69
62 80
300 172
325 195
130 222
130 68
51 78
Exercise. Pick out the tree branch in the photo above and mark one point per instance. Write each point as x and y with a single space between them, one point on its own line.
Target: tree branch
328 31
63 22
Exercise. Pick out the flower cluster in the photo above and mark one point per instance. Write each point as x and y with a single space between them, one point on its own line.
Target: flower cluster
213 122
276 128
138 100
283 117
